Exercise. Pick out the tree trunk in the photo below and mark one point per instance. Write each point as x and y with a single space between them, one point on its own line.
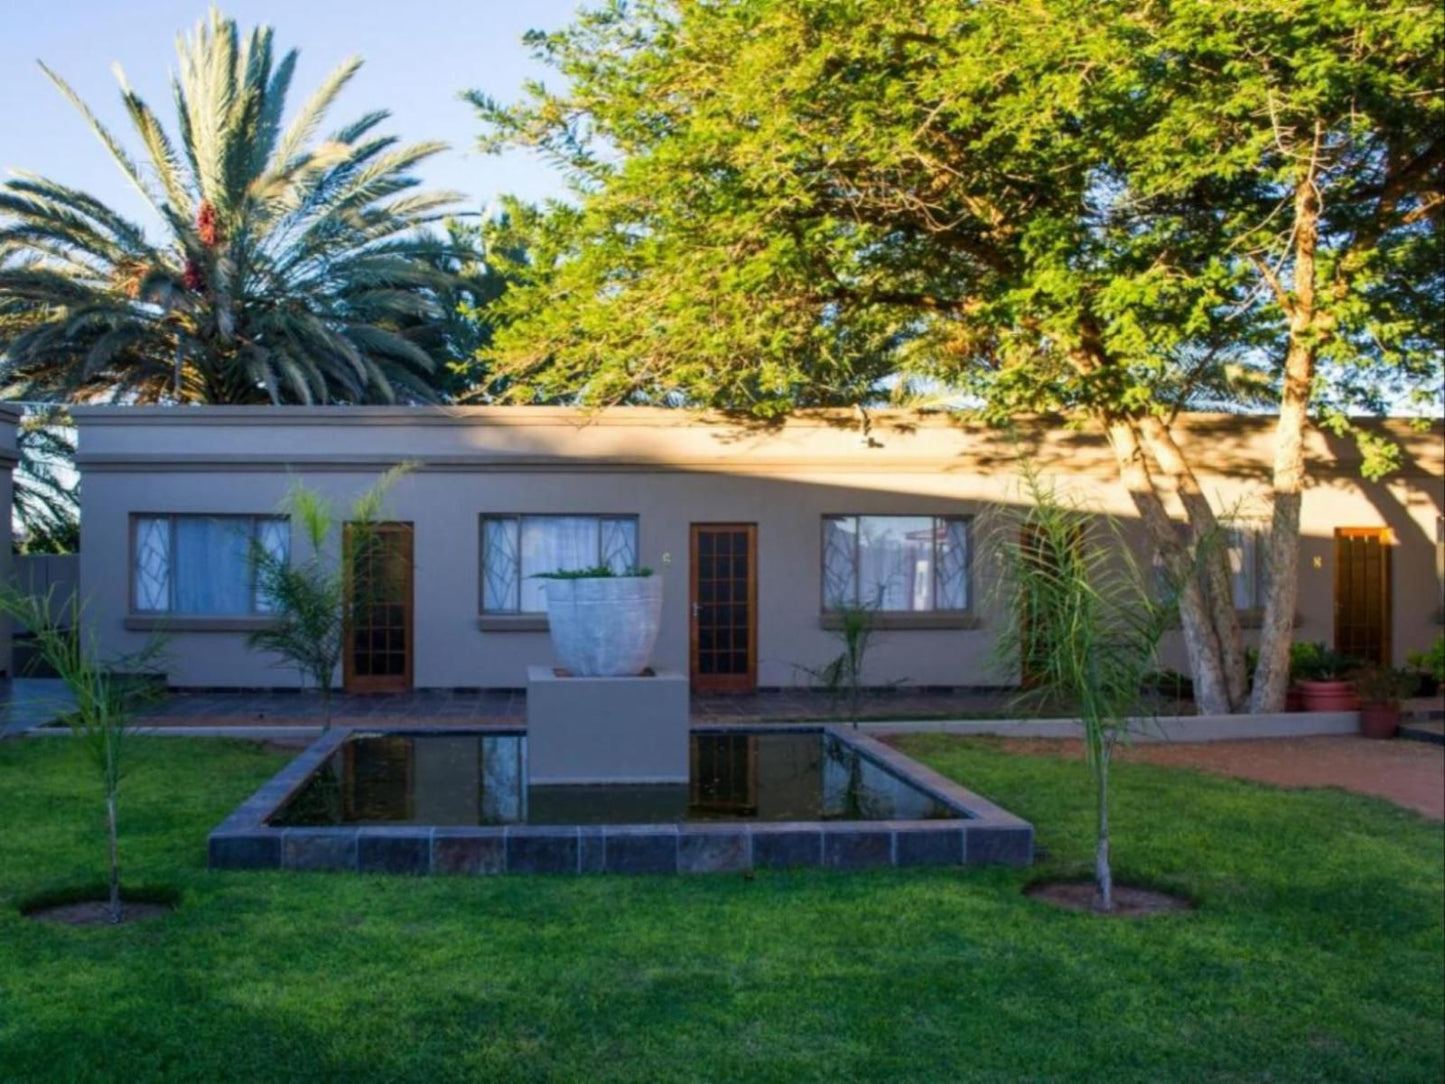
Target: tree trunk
111 828
1271 676
1103 874
1211 694
1211 550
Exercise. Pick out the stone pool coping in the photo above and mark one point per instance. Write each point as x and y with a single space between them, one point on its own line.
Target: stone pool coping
985 834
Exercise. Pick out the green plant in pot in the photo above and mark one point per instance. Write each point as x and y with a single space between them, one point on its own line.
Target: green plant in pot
1323 678
1380 689
1429 667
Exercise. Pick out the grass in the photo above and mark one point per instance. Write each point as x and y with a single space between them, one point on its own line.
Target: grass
1316 954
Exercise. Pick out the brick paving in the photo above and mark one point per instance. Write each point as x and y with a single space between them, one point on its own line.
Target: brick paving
470 707
26 703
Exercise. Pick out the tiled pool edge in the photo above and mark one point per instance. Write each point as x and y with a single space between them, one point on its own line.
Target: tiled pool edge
987 835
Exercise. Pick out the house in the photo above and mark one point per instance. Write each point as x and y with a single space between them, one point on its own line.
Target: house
760 533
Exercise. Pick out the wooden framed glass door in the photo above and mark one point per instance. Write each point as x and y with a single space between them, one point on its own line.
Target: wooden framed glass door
379 629
724 597
1362 593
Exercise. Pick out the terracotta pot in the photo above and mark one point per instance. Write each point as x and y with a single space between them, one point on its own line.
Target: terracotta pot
1329 695
1294 700
1379 720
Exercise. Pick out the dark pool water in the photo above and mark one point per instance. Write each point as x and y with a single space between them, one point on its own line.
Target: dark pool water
480 779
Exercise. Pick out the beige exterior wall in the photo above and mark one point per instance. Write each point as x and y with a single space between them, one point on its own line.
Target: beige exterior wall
671 469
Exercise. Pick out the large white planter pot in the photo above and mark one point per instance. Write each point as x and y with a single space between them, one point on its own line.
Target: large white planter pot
604 627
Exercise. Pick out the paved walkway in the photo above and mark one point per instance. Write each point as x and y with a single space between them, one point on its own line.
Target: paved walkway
1408 773
465 707
26 703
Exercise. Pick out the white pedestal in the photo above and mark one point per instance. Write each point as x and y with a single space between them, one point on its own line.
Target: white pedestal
606 729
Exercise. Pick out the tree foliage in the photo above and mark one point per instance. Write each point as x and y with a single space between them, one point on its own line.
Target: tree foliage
1049 206
487 259
292 270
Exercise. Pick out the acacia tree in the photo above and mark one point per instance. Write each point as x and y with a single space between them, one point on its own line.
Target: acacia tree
1315 134
793 204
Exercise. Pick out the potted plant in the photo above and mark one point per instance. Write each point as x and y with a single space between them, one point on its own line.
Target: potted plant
1323 678
1380 690
1429 667
1303 662
603 623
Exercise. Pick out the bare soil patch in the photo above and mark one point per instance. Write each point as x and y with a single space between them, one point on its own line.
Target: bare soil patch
1129 902
97 912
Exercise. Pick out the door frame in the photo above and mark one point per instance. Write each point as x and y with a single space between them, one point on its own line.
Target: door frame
353 682
722 683
1386 537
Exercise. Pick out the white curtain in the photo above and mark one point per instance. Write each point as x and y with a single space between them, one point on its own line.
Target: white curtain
516 549
895 562
274 537
1249 572
554 544
211 566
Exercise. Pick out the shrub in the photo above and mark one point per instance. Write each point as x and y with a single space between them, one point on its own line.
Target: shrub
1432 661
1384 684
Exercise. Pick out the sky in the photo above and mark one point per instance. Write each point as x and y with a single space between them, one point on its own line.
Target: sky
419 56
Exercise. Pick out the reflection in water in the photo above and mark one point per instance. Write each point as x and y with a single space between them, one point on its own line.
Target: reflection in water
472 779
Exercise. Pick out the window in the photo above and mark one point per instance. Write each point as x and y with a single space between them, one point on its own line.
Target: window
515 549
202 564
899 564
1248 555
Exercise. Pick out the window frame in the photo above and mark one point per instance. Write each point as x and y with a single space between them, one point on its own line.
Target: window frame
520 614
171 613
934 612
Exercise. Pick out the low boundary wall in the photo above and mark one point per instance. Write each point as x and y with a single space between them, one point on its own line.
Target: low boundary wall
1173 728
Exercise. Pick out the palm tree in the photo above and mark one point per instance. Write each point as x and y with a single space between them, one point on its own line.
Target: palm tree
46 498
292 269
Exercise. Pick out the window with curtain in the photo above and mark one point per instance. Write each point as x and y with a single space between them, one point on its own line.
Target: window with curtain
1248 555
201 565
896 564
515 549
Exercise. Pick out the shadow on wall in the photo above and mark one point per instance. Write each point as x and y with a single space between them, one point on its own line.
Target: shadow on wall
727 472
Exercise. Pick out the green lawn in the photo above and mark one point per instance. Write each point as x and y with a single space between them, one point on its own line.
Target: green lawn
1317 953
